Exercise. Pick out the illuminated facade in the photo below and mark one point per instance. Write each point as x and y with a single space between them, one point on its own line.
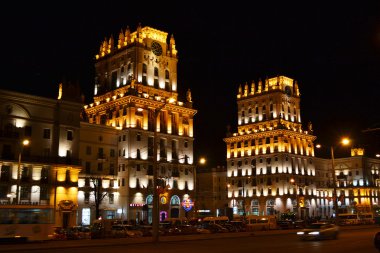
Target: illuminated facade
49 165
271 165
269 149
357 184
135 77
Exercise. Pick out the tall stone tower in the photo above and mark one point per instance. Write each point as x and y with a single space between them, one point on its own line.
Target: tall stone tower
270 168
135 77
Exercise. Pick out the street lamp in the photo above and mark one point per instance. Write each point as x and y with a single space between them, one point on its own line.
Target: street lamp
156 201
202 161
345 142
24 143
293 181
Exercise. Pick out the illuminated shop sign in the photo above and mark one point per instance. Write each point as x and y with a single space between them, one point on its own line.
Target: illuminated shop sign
138 205
187 204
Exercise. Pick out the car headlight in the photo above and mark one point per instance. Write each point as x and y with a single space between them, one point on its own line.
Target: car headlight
300 233
314 233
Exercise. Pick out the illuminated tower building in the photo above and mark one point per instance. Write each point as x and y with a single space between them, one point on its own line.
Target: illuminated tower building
135 77
270 167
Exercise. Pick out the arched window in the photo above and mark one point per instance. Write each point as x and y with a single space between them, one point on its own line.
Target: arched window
149 199
156 72
175 201
167 74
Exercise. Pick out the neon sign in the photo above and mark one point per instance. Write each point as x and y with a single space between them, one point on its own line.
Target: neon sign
187 204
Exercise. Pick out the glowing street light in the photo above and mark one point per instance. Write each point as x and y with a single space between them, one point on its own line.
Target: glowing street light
23 144
344 141
202 161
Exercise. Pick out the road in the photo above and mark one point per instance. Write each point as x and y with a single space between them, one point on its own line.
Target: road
349 241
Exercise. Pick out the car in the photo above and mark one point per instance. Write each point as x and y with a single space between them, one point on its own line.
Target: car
132 231
319 231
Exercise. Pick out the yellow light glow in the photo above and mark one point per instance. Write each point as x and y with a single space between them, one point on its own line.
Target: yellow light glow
345 141
202 160
25 142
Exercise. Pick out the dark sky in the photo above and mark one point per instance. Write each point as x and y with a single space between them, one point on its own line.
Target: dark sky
332 50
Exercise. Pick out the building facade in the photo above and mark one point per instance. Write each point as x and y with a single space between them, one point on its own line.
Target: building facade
44 172
270 160
136 96
271 164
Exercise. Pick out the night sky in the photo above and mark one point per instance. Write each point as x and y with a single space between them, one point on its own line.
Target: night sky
332 50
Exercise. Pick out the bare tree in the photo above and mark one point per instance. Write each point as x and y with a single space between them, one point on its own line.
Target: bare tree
99 194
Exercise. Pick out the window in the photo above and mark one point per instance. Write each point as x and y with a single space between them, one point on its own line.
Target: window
44 175
112 152
110 197
100 166
156 72
69 135
46 133
5 173
144 68
186 144
138 137
166 74
88 168
112 169
44 193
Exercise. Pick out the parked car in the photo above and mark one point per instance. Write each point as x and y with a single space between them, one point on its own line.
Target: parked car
216 228
133 231
118 231
237 226
285 224
318 231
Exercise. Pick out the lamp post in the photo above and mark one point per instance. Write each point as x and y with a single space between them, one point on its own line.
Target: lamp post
156 201
335 195
202 161
293 181
24 143
345 142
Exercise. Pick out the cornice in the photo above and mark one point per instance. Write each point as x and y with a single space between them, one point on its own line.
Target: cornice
269 134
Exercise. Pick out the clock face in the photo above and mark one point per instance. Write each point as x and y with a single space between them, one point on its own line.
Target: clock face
156 48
